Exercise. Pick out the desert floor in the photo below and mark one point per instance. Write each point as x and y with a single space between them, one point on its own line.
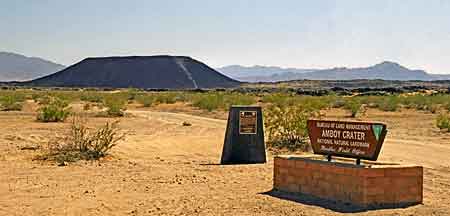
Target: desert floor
164 168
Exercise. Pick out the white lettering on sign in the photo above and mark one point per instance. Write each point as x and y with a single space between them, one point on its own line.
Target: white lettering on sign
331 133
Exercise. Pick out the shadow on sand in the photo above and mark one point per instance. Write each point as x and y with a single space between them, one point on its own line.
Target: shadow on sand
340 207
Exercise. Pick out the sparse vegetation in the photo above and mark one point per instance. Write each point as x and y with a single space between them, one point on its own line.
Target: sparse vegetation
145 100
354 106
115 106
286 127
83 143
91 97
56 110
443 122
388 104
213 101
11 103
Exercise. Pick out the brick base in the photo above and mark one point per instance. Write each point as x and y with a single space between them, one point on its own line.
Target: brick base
369 185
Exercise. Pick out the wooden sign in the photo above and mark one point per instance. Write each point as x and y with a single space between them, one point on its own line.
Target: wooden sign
247 122
361 140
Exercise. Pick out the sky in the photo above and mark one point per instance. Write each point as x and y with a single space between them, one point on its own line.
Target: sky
289 33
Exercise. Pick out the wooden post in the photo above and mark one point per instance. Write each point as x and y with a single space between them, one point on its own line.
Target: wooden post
244 137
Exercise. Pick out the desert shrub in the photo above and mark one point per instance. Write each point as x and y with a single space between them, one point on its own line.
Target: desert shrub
132 93
83 143
115 107
91 97
208 102
354 106
314 103
44 100
56 110
388 104
35 96
338 103
87 106
308 102
213 101
280 99
433 108
443 122
166 98
286 127
237 99
447 106
11 103
145 100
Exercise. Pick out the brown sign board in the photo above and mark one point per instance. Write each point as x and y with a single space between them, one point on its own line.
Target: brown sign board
361 140
247 122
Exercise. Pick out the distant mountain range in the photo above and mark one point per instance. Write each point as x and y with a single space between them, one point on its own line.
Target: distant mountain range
385 71
15 67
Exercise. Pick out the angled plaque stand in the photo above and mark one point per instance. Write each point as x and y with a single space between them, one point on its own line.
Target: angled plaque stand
244 137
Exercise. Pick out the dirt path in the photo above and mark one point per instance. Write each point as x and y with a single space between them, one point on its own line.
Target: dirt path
164 168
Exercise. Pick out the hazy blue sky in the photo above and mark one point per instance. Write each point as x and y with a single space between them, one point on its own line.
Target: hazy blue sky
304 34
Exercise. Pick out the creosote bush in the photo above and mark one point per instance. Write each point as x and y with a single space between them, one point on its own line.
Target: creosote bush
388 104
11 103
83 143
354 106
286 127
115 107
214 101
56 110
145 100
443 122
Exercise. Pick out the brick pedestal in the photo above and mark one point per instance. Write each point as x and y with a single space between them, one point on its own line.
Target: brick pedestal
377 184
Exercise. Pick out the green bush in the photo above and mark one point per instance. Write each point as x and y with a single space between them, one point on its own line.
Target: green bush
388 104
115 106
338 103
145 100
443 122
166 98
91 97
354 106
44 100
82 143
214 101
10 103
447 106
286 127
56 110
209 102
132 93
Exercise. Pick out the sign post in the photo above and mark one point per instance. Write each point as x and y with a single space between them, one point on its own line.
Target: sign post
244 137
360 140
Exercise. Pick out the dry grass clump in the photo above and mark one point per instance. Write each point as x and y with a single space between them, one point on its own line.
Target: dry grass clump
83 143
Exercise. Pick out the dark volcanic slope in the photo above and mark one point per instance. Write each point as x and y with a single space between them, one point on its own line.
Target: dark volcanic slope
170 72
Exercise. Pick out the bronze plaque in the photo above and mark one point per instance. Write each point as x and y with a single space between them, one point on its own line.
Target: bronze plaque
347 139
247 122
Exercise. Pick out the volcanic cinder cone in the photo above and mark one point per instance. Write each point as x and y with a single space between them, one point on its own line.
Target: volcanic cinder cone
168 72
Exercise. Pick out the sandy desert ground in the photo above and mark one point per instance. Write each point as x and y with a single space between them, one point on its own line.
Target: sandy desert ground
164 168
